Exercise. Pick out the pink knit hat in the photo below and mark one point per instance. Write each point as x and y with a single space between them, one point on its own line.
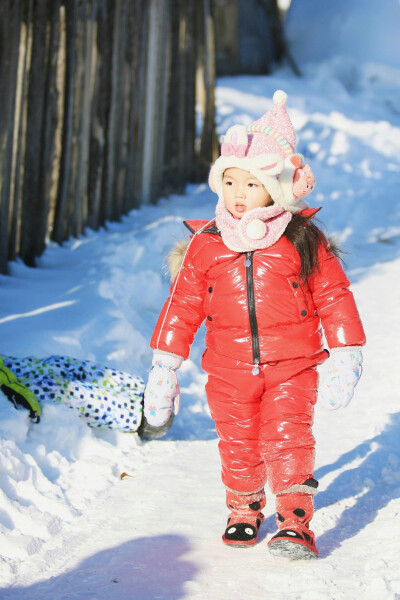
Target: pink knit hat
267 149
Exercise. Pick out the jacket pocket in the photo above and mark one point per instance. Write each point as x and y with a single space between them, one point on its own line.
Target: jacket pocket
302 298
208 297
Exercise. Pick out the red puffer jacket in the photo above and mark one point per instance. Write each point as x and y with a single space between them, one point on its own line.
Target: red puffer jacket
255 308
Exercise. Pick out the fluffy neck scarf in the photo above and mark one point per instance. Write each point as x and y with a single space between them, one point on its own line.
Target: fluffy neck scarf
258 228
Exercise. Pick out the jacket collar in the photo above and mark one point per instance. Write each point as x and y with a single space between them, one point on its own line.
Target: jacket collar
195 226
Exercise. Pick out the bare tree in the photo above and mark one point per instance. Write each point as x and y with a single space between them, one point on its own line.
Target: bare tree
98 112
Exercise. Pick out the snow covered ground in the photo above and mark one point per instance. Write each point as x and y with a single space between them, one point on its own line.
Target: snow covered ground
70 527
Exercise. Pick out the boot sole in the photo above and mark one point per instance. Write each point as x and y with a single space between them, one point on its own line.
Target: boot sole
291 550
238 544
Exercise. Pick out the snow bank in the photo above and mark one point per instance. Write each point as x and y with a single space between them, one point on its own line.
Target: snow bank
361 30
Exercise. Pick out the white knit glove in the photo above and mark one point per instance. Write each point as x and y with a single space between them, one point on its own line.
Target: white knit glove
161 395
338 376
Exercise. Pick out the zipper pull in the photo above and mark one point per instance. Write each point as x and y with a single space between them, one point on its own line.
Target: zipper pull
247 262
255 370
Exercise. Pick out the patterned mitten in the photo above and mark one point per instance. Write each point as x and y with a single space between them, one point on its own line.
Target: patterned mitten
17 393
338 376
161 396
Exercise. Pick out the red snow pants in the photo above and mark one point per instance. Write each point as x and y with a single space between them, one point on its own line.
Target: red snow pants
264 422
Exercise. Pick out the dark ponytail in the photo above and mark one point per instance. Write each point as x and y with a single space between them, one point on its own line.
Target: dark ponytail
307 238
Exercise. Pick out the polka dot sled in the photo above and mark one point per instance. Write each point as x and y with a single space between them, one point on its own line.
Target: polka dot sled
105 398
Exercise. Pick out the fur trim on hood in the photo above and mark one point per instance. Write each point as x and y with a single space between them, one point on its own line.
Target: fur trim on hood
175 258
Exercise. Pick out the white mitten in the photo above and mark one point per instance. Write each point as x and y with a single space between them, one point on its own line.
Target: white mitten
161 395
338 376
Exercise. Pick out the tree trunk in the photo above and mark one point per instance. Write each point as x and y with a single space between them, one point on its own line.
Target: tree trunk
209 140
61 227
277 33
40 130
157 74
25 51
82 110
113 114
10 20
101 76
189 108
138 24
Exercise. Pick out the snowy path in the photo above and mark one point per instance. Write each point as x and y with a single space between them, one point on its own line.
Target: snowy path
71 528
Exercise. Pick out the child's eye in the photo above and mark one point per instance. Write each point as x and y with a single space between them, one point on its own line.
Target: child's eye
228 182
253 185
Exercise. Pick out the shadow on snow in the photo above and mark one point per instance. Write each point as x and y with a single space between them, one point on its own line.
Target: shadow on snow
368 487
372 485
145 568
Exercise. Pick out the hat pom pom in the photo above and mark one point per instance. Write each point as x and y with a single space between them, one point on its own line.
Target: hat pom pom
256 229
279 97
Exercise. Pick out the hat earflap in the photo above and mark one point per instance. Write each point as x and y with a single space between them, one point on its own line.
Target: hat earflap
211 181
296 181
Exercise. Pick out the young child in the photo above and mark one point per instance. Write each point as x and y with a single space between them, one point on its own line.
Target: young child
265 279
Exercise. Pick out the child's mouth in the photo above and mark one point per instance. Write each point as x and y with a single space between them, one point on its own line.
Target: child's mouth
240 208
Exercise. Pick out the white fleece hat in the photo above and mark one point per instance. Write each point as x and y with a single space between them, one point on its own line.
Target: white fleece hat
266 148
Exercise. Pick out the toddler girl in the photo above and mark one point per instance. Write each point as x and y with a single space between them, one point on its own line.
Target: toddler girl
265 279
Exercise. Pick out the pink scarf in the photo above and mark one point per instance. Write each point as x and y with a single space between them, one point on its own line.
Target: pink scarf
258 228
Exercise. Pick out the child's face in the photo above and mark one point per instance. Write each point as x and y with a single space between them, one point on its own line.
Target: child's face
242 192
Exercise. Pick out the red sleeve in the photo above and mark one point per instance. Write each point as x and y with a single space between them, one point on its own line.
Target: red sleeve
182 313
334 303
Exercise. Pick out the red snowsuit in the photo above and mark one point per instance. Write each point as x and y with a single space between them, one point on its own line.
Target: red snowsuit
258 313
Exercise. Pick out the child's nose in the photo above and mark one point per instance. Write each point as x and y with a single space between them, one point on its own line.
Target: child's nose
240 191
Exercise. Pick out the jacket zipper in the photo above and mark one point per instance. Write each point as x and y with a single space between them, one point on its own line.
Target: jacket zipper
252 311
